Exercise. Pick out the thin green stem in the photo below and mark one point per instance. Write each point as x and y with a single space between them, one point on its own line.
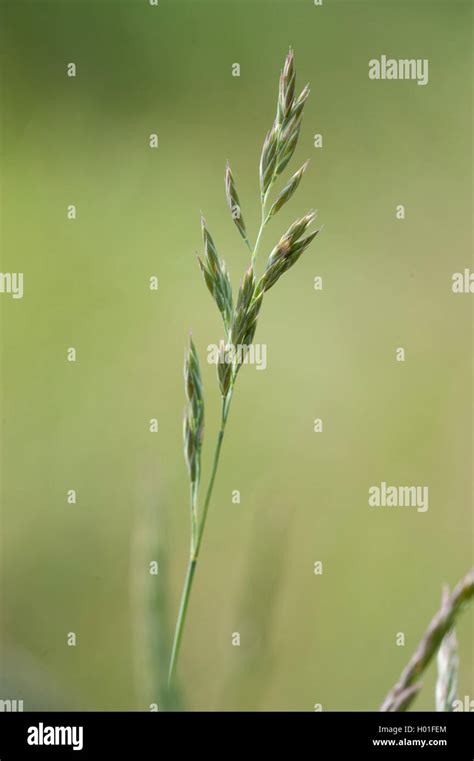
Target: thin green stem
257 242
197 531
220 436
263 222
194 515
188 583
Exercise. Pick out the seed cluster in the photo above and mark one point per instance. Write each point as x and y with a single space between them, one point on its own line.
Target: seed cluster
193 425
240 322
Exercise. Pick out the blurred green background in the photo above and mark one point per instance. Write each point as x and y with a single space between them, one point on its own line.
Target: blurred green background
83 568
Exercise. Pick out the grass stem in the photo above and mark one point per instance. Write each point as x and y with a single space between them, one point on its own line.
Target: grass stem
263 222
197 535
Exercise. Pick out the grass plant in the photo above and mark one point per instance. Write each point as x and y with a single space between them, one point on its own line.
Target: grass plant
240 317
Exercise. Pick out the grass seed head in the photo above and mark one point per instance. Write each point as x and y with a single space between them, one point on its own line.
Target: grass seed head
287 251
288 190
286 90
281 141
268 159
246 312
234 202
300 102
216 276
193 426
224 369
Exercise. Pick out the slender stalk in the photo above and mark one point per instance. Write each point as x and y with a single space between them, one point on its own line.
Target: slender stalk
220 436
194 514
259 236
263 222
178 634
196 539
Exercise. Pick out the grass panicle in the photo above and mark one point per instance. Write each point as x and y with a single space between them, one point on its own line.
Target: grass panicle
240 322
194 412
